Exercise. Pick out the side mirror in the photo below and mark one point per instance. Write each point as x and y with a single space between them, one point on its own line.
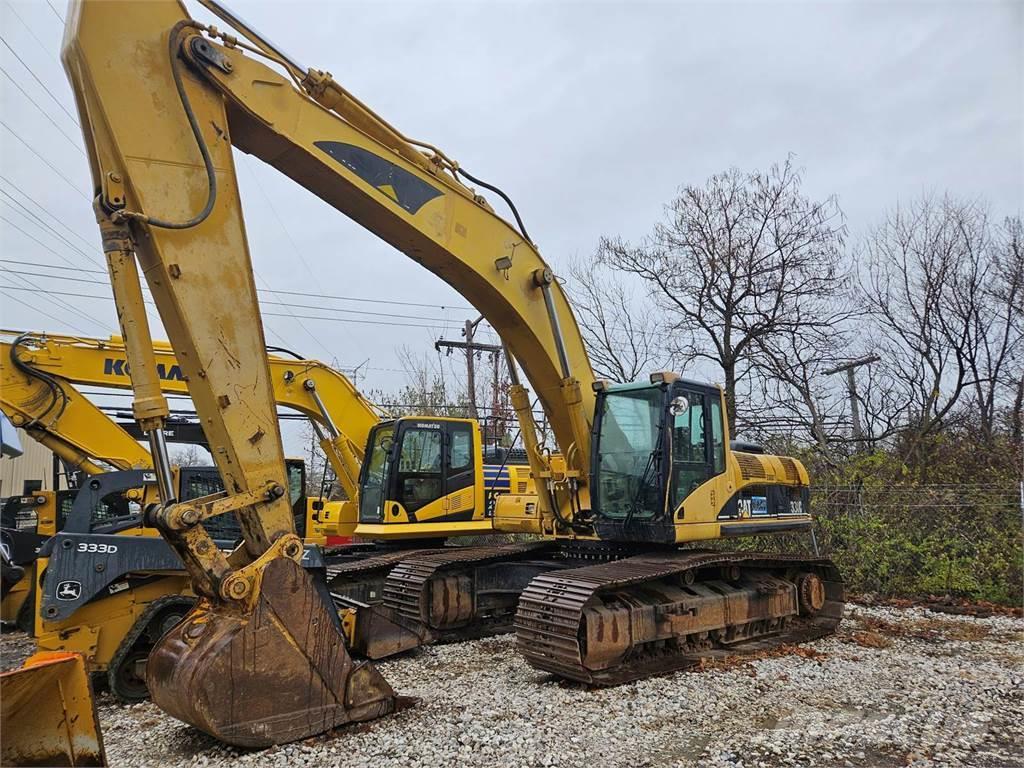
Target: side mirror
679 405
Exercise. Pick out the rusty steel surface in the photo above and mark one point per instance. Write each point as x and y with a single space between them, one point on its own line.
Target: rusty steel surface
359 578
381 632
627 619
48 715
441 590
275 674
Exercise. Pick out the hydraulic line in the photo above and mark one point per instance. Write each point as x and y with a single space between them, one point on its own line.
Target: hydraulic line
56 390
211 176
503 196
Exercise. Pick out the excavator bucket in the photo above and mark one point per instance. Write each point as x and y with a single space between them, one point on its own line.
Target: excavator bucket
276 673
48 714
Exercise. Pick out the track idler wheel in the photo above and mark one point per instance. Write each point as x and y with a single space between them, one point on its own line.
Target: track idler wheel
810 593
275 672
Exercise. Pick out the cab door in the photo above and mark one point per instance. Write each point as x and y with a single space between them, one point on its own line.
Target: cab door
693 439
419 477
436 477
460 472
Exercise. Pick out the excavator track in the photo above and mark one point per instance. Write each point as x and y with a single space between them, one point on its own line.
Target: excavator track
453 595
651 614
362 578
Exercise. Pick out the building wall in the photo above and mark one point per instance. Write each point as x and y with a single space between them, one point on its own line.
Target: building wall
36 463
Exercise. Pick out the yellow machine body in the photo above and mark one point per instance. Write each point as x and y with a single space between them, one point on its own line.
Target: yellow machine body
341 414
425 477
48 714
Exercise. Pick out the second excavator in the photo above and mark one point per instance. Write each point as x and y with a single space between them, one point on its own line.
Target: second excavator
611 591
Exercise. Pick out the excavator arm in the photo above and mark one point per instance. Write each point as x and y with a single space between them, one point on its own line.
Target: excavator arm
340 415
61 418
166 199
306 125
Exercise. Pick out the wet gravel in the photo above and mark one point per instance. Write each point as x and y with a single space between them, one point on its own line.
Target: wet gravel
896 687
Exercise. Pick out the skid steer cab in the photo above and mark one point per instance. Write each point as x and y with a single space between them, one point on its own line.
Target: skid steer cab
426 477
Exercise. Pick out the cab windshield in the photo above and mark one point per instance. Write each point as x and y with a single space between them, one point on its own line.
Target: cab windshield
375 473
629 453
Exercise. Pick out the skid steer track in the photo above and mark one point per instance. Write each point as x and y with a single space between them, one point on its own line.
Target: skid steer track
619 621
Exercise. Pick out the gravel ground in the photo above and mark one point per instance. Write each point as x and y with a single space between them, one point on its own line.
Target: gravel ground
896 687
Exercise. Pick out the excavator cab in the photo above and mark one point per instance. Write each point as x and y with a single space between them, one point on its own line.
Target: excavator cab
662 448
422 473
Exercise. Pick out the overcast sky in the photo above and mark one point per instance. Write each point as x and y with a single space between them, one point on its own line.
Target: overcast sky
590 115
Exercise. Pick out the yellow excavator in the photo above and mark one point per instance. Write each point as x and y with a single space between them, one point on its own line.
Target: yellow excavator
39 374
641 469
113 620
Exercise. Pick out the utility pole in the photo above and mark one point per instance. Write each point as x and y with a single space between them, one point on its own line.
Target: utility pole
851 386
470 372
472 348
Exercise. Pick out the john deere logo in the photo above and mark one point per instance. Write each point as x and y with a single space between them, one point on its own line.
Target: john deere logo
118 366
69 590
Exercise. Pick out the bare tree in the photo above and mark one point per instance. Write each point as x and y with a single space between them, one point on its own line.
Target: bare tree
733 263
623 340
792 393
428 389
944 290
190 455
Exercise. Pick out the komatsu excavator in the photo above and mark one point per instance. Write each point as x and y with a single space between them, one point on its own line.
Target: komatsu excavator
39 374
641 469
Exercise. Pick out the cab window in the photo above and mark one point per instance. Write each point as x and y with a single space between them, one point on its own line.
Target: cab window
421 451
461 454
689 448
296 480
688 441
717 437
419 468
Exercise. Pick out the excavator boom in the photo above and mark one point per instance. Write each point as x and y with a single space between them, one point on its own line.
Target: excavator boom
51 363
260 660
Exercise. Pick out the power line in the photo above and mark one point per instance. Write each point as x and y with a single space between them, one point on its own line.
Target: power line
280 221
441 320
25 24
27 213
55 12
295 249
373 301
44 113
304 294
43 312
39 206
42 244
51 266
295 317
48 164
65 304
264 314
59 302
36 78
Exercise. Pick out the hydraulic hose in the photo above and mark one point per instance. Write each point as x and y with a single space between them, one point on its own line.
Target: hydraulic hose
503 196
211 176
